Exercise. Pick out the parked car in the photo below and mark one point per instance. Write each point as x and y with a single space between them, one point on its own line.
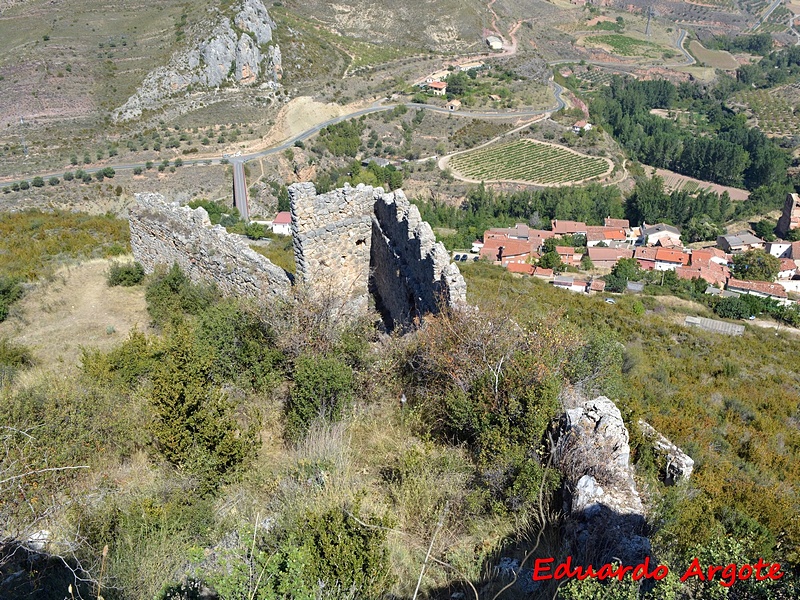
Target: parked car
610 301
463 258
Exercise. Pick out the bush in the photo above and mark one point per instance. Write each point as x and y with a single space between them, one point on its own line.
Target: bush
732 308
37 182
13 357
323 555
170 295
137 170
255 231
126 275
322 389
194 426
10 292
53 181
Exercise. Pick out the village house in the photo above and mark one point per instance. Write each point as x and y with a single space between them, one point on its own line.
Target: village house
522 268
543 273
454 104
437 88
779 249
736 243
616 223
569 256
705 256
595 286
282 223
646 257
669 260
762 289
596 234
567 282
581 126
606 258
788 269
476 246
652 234
505 251
568 227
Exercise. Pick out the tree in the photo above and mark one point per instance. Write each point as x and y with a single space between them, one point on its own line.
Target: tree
586 263
24 185
550 260
69 176
194 426
137 170
756 265
37 182
626 269
765 229
732 308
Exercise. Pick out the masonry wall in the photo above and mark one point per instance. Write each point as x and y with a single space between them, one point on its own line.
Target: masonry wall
790 217
164 233
411 273
332 234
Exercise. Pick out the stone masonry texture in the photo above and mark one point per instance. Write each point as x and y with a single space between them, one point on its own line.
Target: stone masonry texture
361 239
348 243
163 233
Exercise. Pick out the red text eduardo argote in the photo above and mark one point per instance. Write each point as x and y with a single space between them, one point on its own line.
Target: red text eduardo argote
725 575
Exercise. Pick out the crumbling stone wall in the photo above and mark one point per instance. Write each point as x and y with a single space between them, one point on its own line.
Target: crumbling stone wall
790 217
411 272
348 243
332 235
360 239
163 233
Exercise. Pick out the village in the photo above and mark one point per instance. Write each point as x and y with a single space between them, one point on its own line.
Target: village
574 256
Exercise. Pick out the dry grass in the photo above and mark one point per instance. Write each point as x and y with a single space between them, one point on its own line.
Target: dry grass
74 309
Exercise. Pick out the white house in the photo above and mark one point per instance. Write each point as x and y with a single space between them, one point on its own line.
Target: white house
779 249
282 223
651 234
581 126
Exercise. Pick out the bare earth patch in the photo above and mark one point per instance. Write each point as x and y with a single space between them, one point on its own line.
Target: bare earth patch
76 309
301 114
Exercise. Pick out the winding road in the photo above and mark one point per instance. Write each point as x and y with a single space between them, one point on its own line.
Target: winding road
238 161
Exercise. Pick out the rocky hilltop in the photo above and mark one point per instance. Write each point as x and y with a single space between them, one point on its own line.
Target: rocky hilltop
238 51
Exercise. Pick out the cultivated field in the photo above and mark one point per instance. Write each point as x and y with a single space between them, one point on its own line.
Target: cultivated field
713 58
529 161
675 181
772 111
623 45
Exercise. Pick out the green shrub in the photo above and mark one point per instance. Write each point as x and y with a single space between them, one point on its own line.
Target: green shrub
13 357
322 389
330 554
170 295
126 275
194 426
10 292
255 231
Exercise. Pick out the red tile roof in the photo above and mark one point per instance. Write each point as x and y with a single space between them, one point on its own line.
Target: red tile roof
567 227
645 253
621 223
762 287
787 264
283 218
542 272
597 254
567 250
597 285
524 268
713 273
438 85
672 256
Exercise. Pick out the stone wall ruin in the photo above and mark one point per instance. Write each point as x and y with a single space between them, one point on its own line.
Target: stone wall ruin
362 239
349 243
163 233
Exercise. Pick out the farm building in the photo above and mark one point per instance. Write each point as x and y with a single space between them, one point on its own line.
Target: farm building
438 88
494 42
739 242
454 104
581 126
282 224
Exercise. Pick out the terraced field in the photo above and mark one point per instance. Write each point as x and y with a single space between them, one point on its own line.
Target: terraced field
529 161
772 111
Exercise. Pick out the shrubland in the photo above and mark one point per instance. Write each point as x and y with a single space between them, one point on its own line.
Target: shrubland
277 451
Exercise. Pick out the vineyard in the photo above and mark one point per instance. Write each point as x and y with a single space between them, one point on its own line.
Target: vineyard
531 162
623 45
596 77
772 111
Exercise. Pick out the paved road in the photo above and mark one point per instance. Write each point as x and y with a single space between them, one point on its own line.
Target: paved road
240 189
375 108
771 8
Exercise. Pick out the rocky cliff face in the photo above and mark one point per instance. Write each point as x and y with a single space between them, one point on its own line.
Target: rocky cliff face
238 51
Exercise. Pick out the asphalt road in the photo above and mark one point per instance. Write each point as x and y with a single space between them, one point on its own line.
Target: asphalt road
238 161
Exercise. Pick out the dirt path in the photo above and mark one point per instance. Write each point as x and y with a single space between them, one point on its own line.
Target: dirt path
76 309
300 114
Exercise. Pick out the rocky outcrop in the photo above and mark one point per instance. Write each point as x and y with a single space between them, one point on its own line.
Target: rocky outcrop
163 234
606 516
678 465
238 51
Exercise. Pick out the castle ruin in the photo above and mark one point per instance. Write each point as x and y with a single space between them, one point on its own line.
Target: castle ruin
354 242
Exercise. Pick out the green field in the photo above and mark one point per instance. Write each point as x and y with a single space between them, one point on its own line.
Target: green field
529 161
626 46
